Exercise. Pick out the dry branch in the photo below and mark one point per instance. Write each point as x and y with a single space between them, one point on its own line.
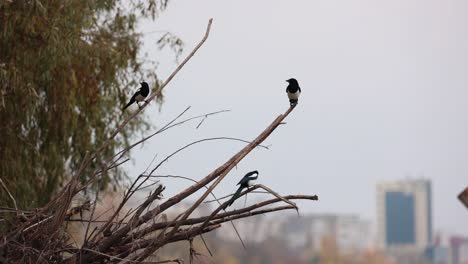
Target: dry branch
9 193
245 210
131 235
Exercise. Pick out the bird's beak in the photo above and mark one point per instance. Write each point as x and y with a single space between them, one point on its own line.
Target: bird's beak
287 80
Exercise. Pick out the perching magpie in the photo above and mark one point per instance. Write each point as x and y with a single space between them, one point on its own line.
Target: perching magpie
140 95
245 182
293 91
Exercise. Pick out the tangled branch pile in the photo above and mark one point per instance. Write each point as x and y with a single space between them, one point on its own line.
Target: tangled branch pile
40 236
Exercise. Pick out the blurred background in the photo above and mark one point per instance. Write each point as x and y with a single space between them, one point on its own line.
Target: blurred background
379 133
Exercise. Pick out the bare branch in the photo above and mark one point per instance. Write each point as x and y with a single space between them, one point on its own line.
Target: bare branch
153 95
230 195
241 211
279 196
232 163
9 193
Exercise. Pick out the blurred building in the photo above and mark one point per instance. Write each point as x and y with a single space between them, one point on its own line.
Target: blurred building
404 219
253 229
350 232
450 249
458 250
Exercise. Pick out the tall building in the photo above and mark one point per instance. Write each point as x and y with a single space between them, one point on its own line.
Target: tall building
404 215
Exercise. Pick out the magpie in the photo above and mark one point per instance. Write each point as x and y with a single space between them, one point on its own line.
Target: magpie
140 95
245 182
293 91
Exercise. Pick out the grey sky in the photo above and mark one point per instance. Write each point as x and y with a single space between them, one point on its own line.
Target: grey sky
384 85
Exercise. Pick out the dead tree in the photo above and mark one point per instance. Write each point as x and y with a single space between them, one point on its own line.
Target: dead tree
129 236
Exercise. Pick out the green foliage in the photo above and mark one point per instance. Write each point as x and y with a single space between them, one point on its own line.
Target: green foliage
66 69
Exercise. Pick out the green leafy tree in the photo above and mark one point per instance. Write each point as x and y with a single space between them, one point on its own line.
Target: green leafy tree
66 70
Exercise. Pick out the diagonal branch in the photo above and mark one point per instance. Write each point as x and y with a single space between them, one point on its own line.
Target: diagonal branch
279 196
218 174
9 193
154 94
198 220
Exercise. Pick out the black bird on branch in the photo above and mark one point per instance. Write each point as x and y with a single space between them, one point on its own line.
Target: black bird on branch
245 182
140 95
293 91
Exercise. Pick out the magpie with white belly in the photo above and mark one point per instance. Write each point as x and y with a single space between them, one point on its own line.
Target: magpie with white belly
293 91
245 182
139 96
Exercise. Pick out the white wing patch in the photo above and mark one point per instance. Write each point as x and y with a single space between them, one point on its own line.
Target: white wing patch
250 183
139 98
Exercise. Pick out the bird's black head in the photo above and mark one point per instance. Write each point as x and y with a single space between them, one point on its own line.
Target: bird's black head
144 84
292 81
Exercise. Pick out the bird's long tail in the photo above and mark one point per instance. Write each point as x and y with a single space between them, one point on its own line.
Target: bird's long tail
132 100
235 196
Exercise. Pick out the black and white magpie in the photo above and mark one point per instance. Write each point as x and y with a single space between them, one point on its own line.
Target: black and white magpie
140 95
245 182
293 91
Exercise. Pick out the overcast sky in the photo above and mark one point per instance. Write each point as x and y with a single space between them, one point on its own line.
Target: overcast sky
385 88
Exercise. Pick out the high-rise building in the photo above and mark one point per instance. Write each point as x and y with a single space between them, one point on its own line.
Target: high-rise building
404 215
